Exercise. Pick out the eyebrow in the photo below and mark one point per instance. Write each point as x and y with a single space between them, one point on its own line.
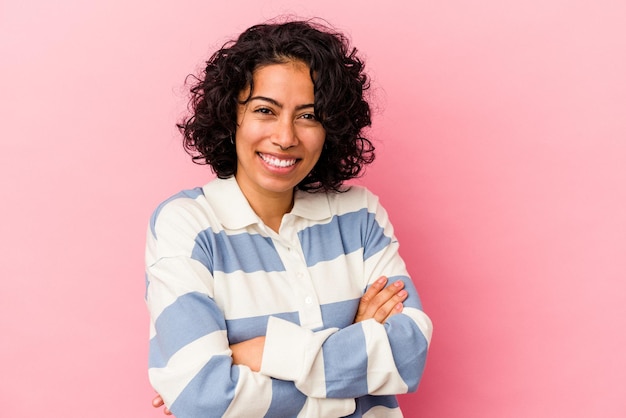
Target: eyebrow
278 104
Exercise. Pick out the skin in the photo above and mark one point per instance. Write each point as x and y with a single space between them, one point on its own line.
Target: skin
278 138
278 142
380 302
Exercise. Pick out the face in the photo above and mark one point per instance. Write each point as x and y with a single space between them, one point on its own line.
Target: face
278 138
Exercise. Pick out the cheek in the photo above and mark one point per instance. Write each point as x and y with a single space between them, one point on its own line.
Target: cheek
321 141
245 134
318 149
317 138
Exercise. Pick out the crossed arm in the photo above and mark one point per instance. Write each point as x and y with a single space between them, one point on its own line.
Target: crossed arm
378 302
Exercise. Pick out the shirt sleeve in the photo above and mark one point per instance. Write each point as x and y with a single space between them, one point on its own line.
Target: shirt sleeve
190 363
363 358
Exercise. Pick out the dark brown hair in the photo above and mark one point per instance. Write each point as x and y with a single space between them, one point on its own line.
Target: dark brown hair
339 86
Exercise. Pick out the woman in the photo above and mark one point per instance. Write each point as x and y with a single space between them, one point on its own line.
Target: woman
267 287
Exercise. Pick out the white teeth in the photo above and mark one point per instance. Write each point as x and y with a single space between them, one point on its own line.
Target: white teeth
276 162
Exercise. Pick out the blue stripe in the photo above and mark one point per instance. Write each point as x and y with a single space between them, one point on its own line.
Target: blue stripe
210 392
375 239
344 234
287 401
190 317
334 315
190 194
230 253
345 364
401 330
410 359
145 295
247 328
339 314
367 402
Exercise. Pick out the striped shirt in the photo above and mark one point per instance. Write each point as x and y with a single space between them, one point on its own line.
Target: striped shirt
216 275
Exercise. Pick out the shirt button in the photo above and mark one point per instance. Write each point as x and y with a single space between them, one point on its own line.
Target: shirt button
299 275
308 300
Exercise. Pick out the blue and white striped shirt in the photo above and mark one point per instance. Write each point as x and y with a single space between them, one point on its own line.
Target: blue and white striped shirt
216 275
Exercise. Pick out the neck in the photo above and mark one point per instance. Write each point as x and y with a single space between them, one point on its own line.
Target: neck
271 212
270 208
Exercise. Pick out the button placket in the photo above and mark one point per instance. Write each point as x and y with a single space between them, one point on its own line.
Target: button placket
295 264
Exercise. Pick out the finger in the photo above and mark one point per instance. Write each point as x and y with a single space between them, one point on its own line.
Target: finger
370 294
166 411
384 296
157 402
381 306
396 310
374 289
391 307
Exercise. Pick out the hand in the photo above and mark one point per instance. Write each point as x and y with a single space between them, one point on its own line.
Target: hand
157 402
249 353
381 303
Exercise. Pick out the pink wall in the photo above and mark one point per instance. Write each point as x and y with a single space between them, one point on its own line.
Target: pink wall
502 162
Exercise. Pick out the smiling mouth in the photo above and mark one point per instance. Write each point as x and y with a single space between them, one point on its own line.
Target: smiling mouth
277 162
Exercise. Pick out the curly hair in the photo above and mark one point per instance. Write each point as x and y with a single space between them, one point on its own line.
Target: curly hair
339 85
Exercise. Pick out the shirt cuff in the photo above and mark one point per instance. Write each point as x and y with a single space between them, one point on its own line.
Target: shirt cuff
290 349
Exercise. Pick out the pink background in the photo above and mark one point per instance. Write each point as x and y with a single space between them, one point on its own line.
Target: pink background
501 129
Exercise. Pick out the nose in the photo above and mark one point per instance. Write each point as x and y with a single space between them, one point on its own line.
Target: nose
284 135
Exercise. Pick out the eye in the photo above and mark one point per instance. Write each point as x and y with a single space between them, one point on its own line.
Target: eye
264 111
308 116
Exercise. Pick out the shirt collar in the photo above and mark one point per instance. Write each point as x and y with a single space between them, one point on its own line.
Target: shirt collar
234 211
230 205
313 206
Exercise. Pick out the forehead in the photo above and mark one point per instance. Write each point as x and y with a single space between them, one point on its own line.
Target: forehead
290 77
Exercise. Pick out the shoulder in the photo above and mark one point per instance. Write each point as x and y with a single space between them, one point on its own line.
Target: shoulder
353 198
184 205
